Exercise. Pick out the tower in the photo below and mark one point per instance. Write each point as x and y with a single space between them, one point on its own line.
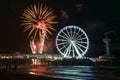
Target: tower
106 41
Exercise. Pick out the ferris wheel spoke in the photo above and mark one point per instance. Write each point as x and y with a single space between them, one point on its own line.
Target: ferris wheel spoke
65 34
62 43
61 40
62 36
80 36
81 46
64 47
67 50
77 33
82 42
74 32
71 32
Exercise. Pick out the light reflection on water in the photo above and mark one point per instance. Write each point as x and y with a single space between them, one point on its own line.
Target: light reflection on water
76 72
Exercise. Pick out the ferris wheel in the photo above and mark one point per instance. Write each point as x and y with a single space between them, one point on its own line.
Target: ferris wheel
72 42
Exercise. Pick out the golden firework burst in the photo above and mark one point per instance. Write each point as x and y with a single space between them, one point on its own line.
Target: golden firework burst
38 19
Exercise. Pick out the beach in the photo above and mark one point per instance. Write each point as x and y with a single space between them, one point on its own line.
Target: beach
11 75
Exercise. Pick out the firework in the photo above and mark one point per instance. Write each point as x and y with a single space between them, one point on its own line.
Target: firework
38 20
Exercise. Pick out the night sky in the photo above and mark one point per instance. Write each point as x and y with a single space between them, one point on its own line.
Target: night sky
95 17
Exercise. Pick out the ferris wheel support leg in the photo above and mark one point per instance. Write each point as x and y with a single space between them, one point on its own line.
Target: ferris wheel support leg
76 49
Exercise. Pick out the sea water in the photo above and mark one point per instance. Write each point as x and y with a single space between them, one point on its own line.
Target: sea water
77 72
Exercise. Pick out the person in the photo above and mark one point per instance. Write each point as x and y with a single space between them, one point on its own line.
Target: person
15 67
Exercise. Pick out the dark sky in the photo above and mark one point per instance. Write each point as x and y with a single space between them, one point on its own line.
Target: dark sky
95 16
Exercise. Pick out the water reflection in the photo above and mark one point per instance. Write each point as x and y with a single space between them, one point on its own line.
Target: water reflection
76 72
41 70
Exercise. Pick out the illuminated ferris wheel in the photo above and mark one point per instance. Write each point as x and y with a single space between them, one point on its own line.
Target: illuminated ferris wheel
72 42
